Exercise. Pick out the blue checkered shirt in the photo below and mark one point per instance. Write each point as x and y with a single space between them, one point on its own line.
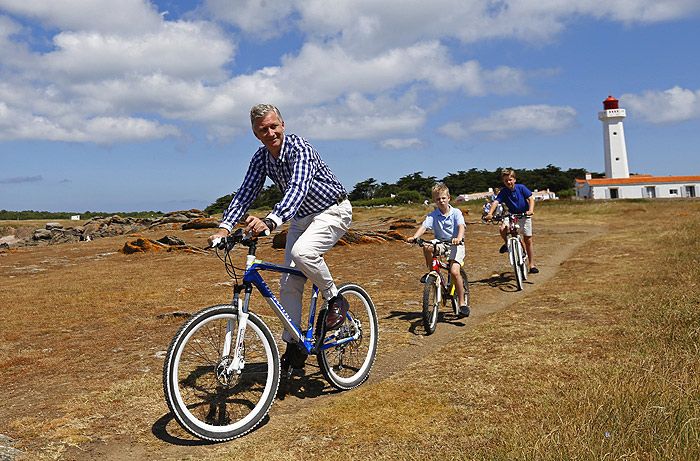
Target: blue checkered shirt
307 183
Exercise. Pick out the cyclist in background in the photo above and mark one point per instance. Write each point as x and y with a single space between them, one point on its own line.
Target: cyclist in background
519 200
447 223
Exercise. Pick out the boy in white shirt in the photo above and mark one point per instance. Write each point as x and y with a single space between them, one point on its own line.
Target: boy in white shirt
447 223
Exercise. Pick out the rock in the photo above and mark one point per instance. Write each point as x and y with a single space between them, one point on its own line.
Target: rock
171 240
42 234
201 223
52 225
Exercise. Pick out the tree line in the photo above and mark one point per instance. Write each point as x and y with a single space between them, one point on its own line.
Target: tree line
6 215
415 187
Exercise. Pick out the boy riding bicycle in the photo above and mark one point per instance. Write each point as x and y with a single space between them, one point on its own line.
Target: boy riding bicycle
519 200
447 223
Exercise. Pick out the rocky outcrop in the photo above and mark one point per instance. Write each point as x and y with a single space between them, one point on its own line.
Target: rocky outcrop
279 240
165 243
111 226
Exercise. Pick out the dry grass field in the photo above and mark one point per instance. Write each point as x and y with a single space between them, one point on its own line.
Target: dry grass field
598 358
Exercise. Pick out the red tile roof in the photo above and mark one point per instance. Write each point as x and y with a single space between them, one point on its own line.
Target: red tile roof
639 179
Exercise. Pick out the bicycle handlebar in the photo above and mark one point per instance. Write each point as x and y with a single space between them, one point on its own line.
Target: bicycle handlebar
420 242
507 215
239 236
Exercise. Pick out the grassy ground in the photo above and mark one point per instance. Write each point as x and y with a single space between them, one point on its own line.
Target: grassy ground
600 361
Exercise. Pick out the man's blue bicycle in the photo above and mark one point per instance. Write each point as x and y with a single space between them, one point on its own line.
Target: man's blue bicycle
222 370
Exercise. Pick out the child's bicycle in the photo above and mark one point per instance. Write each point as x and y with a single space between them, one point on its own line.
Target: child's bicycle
222 370
439 288
517 255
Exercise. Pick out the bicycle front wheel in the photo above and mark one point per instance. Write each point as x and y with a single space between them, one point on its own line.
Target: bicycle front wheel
208 401
523 261
430 304
515 260
348 352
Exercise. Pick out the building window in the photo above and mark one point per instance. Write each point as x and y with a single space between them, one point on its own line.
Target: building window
650 192
690 191
673 192
614 193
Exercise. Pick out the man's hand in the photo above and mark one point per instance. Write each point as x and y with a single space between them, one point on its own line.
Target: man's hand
529 213
256 226
222 232
456 241
488 217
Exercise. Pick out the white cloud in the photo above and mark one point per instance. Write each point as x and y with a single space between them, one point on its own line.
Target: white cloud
366 26
401 143
506 122
670 106
358 117
179 49
106 16
258 18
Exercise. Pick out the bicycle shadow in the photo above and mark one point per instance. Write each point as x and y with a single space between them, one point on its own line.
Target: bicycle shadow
505 281
160 430
300 385
415 320
303 384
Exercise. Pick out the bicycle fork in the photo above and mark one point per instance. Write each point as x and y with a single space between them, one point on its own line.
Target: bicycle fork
238 361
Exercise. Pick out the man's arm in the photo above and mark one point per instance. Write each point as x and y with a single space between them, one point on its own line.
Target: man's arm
246 194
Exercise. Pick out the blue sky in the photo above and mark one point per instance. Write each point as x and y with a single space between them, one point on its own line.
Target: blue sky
144 105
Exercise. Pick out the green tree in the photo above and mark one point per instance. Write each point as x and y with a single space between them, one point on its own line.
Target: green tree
364 190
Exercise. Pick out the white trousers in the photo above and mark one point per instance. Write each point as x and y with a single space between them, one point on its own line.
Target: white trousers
308 239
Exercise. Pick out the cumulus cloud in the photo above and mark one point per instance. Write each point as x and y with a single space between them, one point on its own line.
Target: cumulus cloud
670 106
504 123
106 16
401 143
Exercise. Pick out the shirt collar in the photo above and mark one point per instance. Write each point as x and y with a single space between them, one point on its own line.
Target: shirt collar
447 213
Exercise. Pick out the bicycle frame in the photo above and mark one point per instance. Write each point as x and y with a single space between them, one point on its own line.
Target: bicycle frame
446 284
253 278
513 234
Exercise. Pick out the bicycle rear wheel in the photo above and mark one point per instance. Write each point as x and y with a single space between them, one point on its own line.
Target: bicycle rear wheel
205 400
430 304
467 299
515 261
346 362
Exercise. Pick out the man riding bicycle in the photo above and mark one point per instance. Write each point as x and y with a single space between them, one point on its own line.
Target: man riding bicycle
313 200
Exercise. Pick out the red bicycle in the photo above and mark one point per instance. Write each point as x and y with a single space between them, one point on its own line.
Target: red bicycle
438 287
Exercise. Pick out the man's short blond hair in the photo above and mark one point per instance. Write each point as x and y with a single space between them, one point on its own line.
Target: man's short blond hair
439 188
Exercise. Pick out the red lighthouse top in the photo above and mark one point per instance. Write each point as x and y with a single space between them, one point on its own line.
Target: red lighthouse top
610 103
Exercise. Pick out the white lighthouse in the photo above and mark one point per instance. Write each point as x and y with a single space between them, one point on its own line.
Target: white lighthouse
614 139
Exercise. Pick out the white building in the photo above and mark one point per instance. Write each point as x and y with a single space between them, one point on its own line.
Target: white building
617 182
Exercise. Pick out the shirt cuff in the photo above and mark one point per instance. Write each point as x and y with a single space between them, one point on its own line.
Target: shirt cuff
276 219
228 227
